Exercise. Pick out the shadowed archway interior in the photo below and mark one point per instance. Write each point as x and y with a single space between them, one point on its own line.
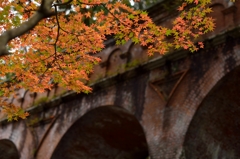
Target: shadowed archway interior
8 150
107 132
215 129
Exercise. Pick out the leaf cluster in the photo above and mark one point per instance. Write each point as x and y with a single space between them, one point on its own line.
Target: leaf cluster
63 37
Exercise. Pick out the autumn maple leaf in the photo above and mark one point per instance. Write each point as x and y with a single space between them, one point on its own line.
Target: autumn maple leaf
54 42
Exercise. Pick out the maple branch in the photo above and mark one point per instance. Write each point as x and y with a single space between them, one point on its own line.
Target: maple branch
42 76
103 5
113 15
58 32
8 81
44 11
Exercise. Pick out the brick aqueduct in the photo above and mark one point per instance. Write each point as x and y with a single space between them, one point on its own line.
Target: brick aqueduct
178 106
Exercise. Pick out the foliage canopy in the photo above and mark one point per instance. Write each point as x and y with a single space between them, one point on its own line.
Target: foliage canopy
44 42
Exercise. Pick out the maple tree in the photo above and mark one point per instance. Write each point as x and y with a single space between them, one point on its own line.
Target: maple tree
44 42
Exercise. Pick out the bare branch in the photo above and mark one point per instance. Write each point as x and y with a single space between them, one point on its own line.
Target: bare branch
43 12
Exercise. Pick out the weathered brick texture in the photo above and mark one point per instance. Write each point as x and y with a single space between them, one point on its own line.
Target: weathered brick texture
180 105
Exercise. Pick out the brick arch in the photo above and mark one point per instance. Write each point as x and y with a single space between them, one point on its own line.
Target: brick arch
207 68
214 129
115 64
8 150
104 132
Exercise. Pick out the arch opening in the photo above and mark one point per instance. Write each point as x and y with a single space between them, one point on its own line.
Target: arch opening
107 132
214 131
8 150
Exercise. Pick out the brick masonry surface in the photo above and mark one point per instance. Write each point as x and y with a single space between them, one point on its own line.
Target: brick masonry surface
180 105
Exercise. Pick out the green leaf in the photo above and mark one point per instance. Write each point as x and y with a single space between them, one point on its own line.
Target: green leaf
1 92
168 32
131 16
118 42
123 41
135 40
144 13
131 35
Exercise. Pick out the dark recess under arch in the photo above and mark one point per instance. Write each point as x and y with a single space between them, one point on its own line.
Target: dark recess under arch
106 132
214 132
8 150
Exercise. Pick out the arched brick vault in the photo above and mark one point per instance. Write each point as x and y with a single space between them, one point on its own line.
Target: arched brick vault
129 95
172 119
8 150
102 133
214 129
